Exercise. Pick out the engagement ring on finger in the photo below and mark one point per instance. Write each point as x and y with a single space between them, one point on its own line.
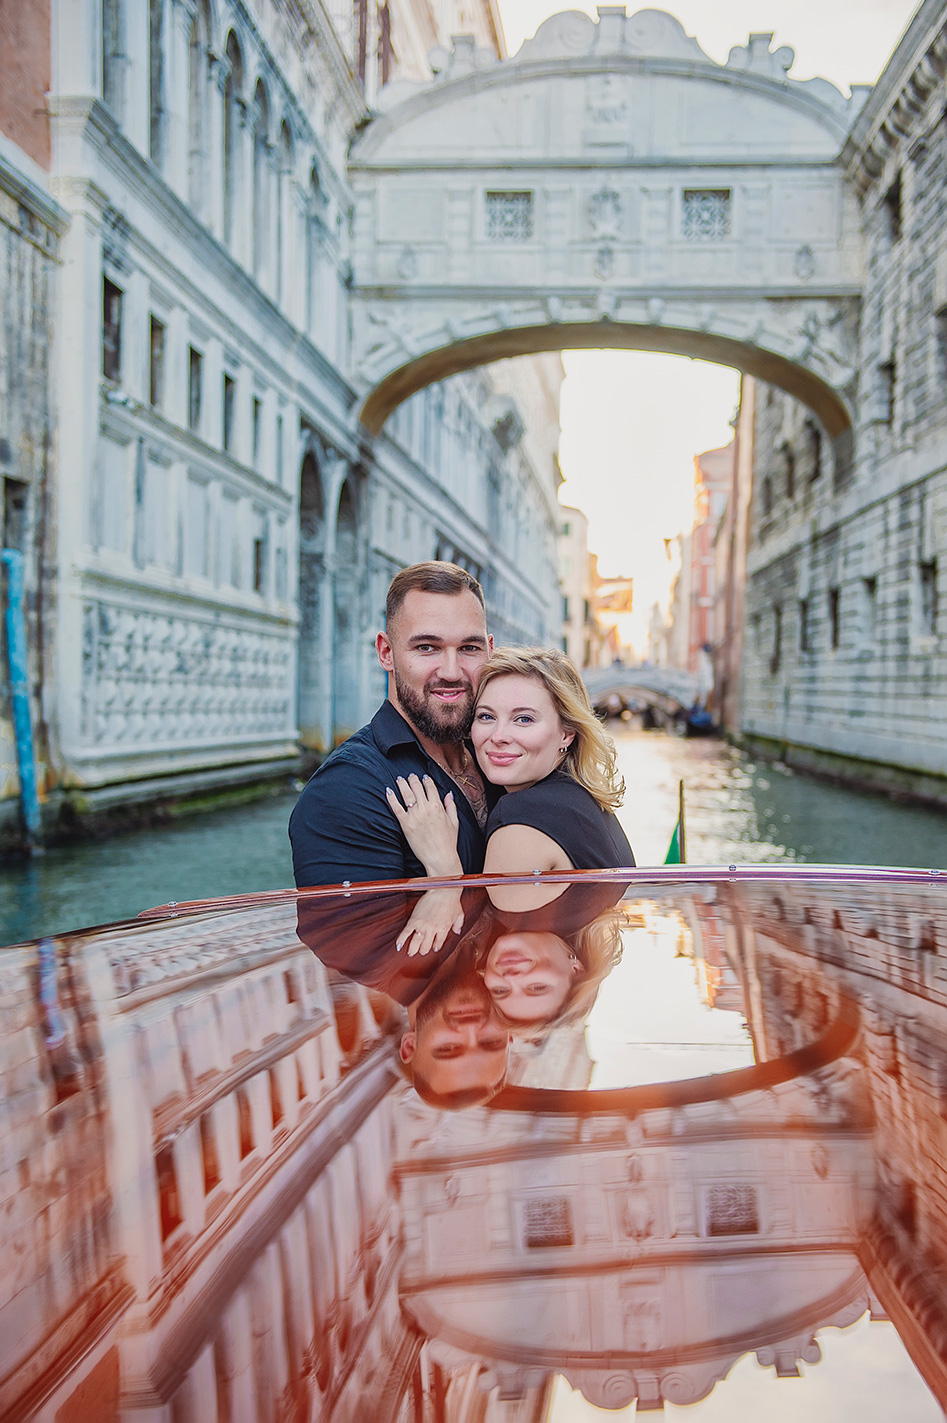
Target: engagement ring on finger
409 803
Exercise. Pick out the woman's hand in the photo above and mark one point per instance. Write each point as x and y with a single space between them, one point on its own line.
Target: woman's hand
434 916
429 824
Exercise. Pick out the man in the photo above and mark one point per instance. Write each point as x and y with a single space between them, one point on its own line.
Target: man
433 648
456 1050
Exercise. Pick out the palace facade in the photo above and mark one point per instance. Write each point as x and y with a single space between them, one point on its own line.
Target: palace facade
208 540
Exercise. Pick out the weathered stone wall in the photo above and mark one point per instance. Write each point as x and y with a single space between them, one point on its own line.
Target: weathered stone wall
845 667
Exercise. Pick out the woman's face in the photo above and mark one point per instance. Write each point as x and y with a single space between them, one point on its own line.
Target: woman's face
516 732
529 976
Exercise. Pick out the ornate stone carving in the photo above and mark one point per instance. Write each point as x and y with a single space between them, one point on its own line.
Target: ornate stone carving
605 263
803 264
156 679
407 264
605 214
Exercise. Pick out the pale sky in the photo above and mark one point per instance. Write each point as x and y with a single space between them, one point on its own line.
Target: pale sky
632 422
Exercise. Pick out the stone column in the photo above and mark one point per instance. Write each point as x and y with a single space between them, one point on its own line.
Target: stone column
241 241
217 71
333 479
177 96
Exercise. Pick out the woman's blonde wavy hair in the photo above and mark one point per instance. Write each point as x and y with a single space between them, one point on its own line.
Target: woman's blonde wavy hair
590 759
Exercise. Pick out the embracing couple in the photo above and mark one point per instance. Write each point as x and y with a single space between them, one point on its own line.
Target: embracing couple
477 761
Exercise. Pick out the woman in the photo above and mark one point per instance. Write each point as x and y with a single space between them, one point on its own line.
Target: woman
534 734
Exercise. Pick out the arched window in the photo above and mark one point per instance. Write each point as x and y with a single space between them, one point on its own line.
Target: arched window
156 80
113 56
261 180
198 45
283 207
233 95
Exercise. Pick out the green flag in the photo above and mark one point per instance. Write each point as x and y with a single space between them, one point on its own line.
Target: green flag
676 854
673 856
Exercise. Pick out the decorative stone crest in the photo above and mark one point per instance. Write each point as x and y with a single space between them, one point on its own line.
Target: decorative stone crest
604 263
605 214
408 264
803 263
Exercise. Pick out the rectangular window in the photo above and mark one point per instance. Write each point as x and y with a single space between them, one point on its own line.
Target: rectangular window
928 574
244 1122
169 1202
547 1222
257 421
805 637
834 619
260 552
230 394
732 1210
893 210
705 215
775 660
885 393
209 1155
870 589
111 330
156 370
279 449
15 493
509 217
276 1099
195 388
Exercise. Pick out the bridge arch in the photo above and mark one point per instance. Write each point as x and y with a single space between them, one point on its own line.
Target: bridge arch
608 186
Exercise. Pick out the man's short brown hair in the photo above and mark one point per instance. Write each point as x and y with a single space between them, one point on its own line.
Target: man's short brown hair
435 576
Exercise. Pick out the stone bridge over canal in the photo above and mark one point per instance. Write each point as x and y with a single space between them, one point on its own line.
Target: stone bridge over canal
608 186
645 683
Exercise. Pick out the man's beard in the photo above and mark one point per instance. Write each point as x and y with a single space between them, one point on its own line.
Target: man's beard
440 723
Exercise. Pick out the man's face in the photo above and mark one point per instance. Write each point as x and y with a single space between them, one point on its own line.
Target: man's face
434 652
457 1043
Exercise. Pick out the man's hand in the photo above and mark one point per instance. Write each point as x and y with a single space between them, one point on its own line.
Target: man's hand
429 824
434 916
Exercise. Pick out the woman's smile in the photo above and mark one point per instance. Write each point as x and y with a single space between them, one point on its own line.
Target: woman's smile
517 734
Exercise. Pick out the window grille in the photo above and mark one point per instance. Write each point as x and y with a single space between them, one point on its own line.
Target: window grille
732 1210
509 217
706 214
548 1222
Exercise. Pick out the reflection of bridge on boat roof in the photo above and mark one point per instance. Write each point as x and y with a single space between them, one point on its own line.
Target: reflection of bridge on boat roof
202 1128
645 683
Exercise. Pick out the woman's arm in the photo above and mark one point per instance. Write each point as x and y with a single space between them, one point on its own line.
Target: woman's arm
519 850
430 827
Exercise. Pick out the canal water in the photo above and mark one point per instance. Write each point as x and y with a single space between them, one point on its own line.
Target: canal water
737 810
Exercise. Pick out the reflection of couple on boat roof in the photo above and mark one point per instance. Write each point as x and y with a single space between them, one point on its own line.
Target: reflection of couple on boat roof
477 761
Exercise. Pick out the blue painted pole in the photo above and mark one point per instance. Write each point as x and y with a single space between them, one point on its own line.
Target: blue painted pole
20 692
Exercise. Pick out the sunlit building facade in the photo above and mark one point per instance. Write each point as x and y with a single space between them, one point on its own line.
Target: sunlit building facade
220 541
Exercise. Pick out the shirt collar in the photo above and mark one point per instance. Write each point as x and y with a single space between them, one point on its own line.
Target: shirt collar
390 729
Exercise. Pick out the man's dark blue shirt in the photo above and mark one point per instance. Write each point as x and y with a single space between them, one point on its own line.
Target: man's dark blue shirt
342 827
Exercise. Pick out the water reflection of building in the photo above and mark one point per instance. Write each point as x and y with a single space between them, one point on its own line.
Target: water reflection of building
197 1202
884 949
221 1204
638 1258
